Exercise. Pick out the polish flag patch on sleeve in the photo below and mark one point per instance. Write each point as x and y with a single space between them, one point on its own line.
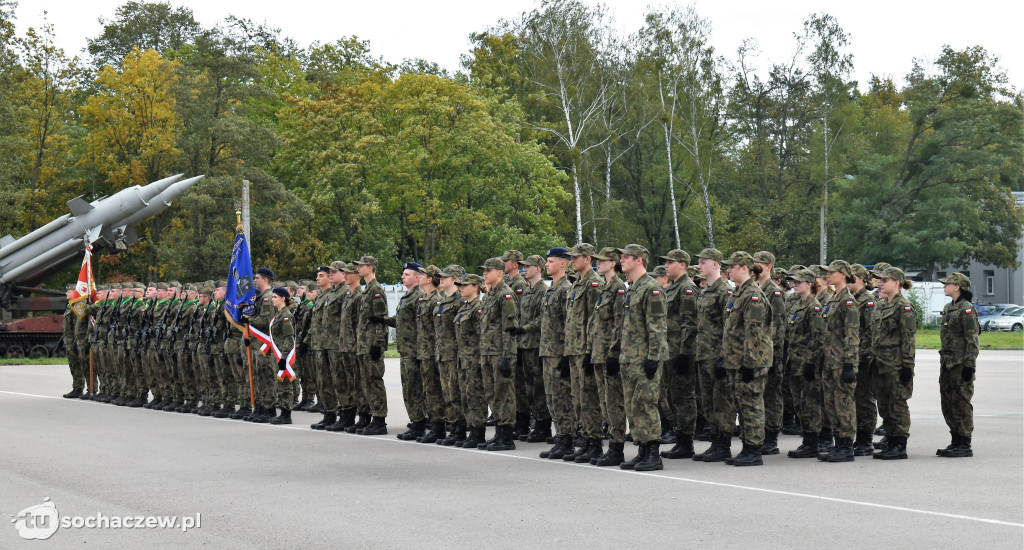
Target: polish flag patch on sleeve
508 296
969 311
817 309
755 299
595 284
871 304
908 308
621 291
656 292
689 291
777 293
849 302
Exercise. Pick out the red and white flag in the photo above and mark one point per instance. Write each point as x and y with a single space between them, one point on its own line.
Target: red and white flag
85 288
286 374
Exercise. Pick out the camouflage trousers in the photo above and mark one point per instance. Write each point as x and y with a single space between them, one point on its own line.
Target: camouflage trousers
559 396
586 400
807 399
205 377
839 405
264 371
167 374
430 379
453 412
151 364
122 374
225 389
285 392
309 378
716 399
748 401
353 370
612 405
679 392
892 399
371 379
238 366
864 396
640 399
531 374
344 379
326 374
412 388
79 368
471 391
523 390
955 397
500 391
773 401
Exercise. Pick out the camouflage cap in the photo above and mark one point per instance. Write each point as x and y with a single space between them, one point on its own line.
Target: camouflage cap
635 250
535 260
712 254
512 255
793 269
764 257
877 270
290 284
608 253
367 260
860 271
173 284
470 279
206 289
453 270
841 266
223 283
161 286
677 255
894 273
494 263
820 271
740 258
958 279
583 249
431 271
659 271
803 275
349 268
306 283
778 273
337 265
139 286
692 272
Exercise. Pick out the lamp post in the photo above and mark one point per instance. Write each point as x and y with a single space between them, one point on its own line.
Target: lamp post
824 203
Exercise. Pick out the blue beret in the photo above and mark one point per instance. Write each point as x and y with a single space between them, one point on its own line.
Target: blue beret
265 272
559 252
282 292
413 266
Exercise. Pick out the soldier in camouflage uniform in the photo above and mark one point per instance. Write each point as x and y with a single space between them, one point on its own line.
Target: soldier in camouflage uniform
133 345
446 349
315 341
188 380
839 370
371 341
711 373
644 351
282 333
895 325
958 359
775 381
679 379
111 363
332 373
471 382
579 313
202 359
227 386
405 325
264 366
552 345
238 362
72 350
864 396
165 355
513 261
805 336
305 367
430 373
356 400
498 347
606 333
747 350
531 305
96 311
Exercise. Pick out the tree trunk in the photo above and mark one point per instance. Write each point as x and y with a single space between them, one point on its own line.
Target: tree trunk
672 185
579 210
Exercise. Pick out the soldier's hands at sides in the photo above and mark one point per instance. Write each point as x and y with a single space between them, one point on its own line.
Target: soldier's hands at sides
848 376
375 352
588 365
650 368
612 366
282 364
248 341
747 374
377 319
304 349
720 369
437 367
681 364
516 331
967 374
505 367
809 369
906 376
563 367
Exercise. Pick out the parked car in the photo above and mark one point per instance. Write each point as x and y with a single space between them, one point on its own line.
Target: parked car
1011 319
987 312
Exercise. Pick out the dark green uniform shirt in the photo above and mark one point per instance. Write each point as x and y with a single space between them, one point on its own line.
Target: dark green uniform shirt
959 334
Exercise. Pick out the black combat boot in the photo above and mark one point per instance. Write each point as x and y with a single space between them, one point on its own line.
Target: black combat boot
73 394
541 431
862 446
522 426
505 441
415 431
327 420
364 421
436 433
613 457
339 422
484 445
224 411
241 413
790 423
268 413
641 455
377 426
749 456
595 450
668 437
682 449
285 418
719 451
825 441
317 408
896 451
149 404
206 410
563 445
881 444
962 449
651 461
841 452
807 449
475 437
771 443
304 404
347 417
456 435
579 447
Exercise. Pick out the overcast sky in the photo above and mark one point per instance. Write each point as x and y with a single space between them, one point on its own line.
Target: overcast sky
885 37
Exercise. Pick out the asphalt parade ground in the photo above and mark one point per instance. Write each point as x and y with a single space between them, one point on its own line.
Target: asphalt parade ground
235 484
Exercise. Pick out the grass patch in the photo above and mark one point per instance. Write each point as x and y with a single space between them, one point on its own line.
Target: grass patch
33 361
928 338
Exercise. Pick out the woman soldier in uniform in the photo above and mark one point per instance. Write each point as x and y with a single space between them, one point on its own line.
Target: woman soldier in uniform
282 332
805 337
959 337
471 381
895 327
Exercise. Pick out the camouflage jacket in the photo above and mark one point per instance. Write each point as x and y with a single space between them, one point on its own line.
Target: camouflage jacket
579 309
552 322
372 302
498 312
467 332
643 322
315 338
606 323
711 320
350 319
681 316
531 313
895 326
282 332
806 333
777 301
68 325
747 336
330 322
446 348
404 322
518 285
170 316
425 337
866 305
959 334
842 330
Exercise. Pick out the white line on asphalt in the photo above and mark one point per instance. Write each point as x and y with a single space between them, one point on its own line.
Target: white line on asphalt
627 472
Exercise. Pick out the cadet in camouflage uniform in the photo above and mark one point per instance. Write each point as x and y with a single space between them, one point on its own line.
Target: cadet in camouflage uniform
839 370
143 341
164 348
864 396
446 349
96 312
711 373
552 345
282 333
305 367
679 379
579 313
644 350
895 326
513 260
238 362
404 322
426 339
227 386
605 330
471 382
498 348
263 365
958 357
320 355
531 306
747 349
805 336
133 345
333 382
111 364
116 339
356 399
202 359
372 340
72 349
188 383
775 381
